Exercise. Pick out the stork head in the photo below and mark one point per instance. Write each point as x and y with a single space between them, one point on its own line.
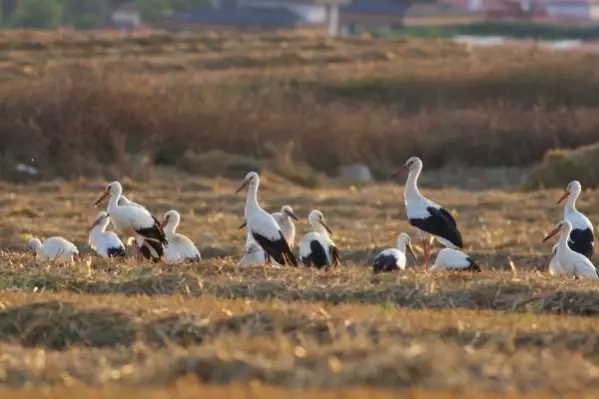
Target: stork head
404 241
34 245
414 163
286 210
317 221
572 189
251 179
562 226
169 217
102 217
112 189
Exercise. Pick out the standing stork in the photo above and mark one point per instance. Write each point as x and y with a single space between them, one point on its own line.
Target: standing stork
138 245
392 259
582 239
427 216
253 254
263 227
134 220
56 249
571 262
316 248
179 248
105 243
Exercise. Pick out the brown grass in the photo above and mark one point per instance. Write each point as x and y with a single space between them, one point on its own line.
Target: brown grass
70 105
130 326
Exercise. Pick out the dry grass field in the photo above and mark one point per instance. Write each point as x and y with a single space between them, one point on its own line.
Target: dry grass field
255 332
86 107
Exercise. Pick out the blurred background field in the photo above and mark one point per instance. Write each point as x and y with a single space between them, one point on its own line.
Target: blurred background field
325 102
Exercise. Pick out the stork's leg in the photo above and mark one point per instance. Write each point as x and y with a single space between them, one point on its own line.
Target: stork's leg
424 239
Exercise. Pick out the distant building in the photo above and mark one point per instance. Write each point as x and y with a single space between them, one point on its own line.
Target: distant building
317 15
372 15
532 10
126 16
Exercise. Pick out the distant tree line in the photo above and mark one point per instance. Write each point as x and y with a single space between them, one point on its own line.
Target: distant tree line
83 14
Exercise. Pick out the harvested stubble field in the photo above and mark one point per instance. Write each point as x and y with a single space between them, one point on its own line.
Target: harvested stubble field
92 104
180 331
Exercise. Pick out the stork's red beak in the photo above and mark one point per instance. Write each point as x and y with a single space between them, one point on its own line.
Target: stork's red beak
105 194
553 232
326 227
563 197
243 185
291 215
400 171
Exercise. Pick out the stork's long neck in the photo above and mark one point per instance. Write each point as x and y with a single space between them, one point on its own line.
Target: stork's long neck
251 203
319 228
570 206
411 188
171 227
563 239
99 229
401 245
113 203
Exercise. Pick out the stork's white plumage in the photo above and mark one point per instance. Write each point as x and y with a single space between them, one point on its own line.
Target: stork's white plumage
572 262
253 253
263 227
554 266
285 220
582 238
55 249
179 248
392 259
427 216
452 259
105 243
317 248
134 220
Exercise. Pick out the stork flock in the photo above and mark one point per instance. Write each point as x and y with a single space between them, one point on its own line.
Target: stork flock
270 237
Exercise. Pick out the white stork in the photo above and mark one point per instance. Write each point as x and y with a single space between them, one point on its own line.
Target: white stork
571 262
452 259
317 248
105 243
263 227
554 267
134 220
55 249
582 239
253 254
427 216
392 259
179 248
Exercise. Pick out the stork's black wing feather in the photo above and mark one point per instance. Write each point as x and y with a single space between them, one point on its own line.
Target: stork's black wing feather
384 263
440 223
116 252
335 256
277 249
318 256
582 241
